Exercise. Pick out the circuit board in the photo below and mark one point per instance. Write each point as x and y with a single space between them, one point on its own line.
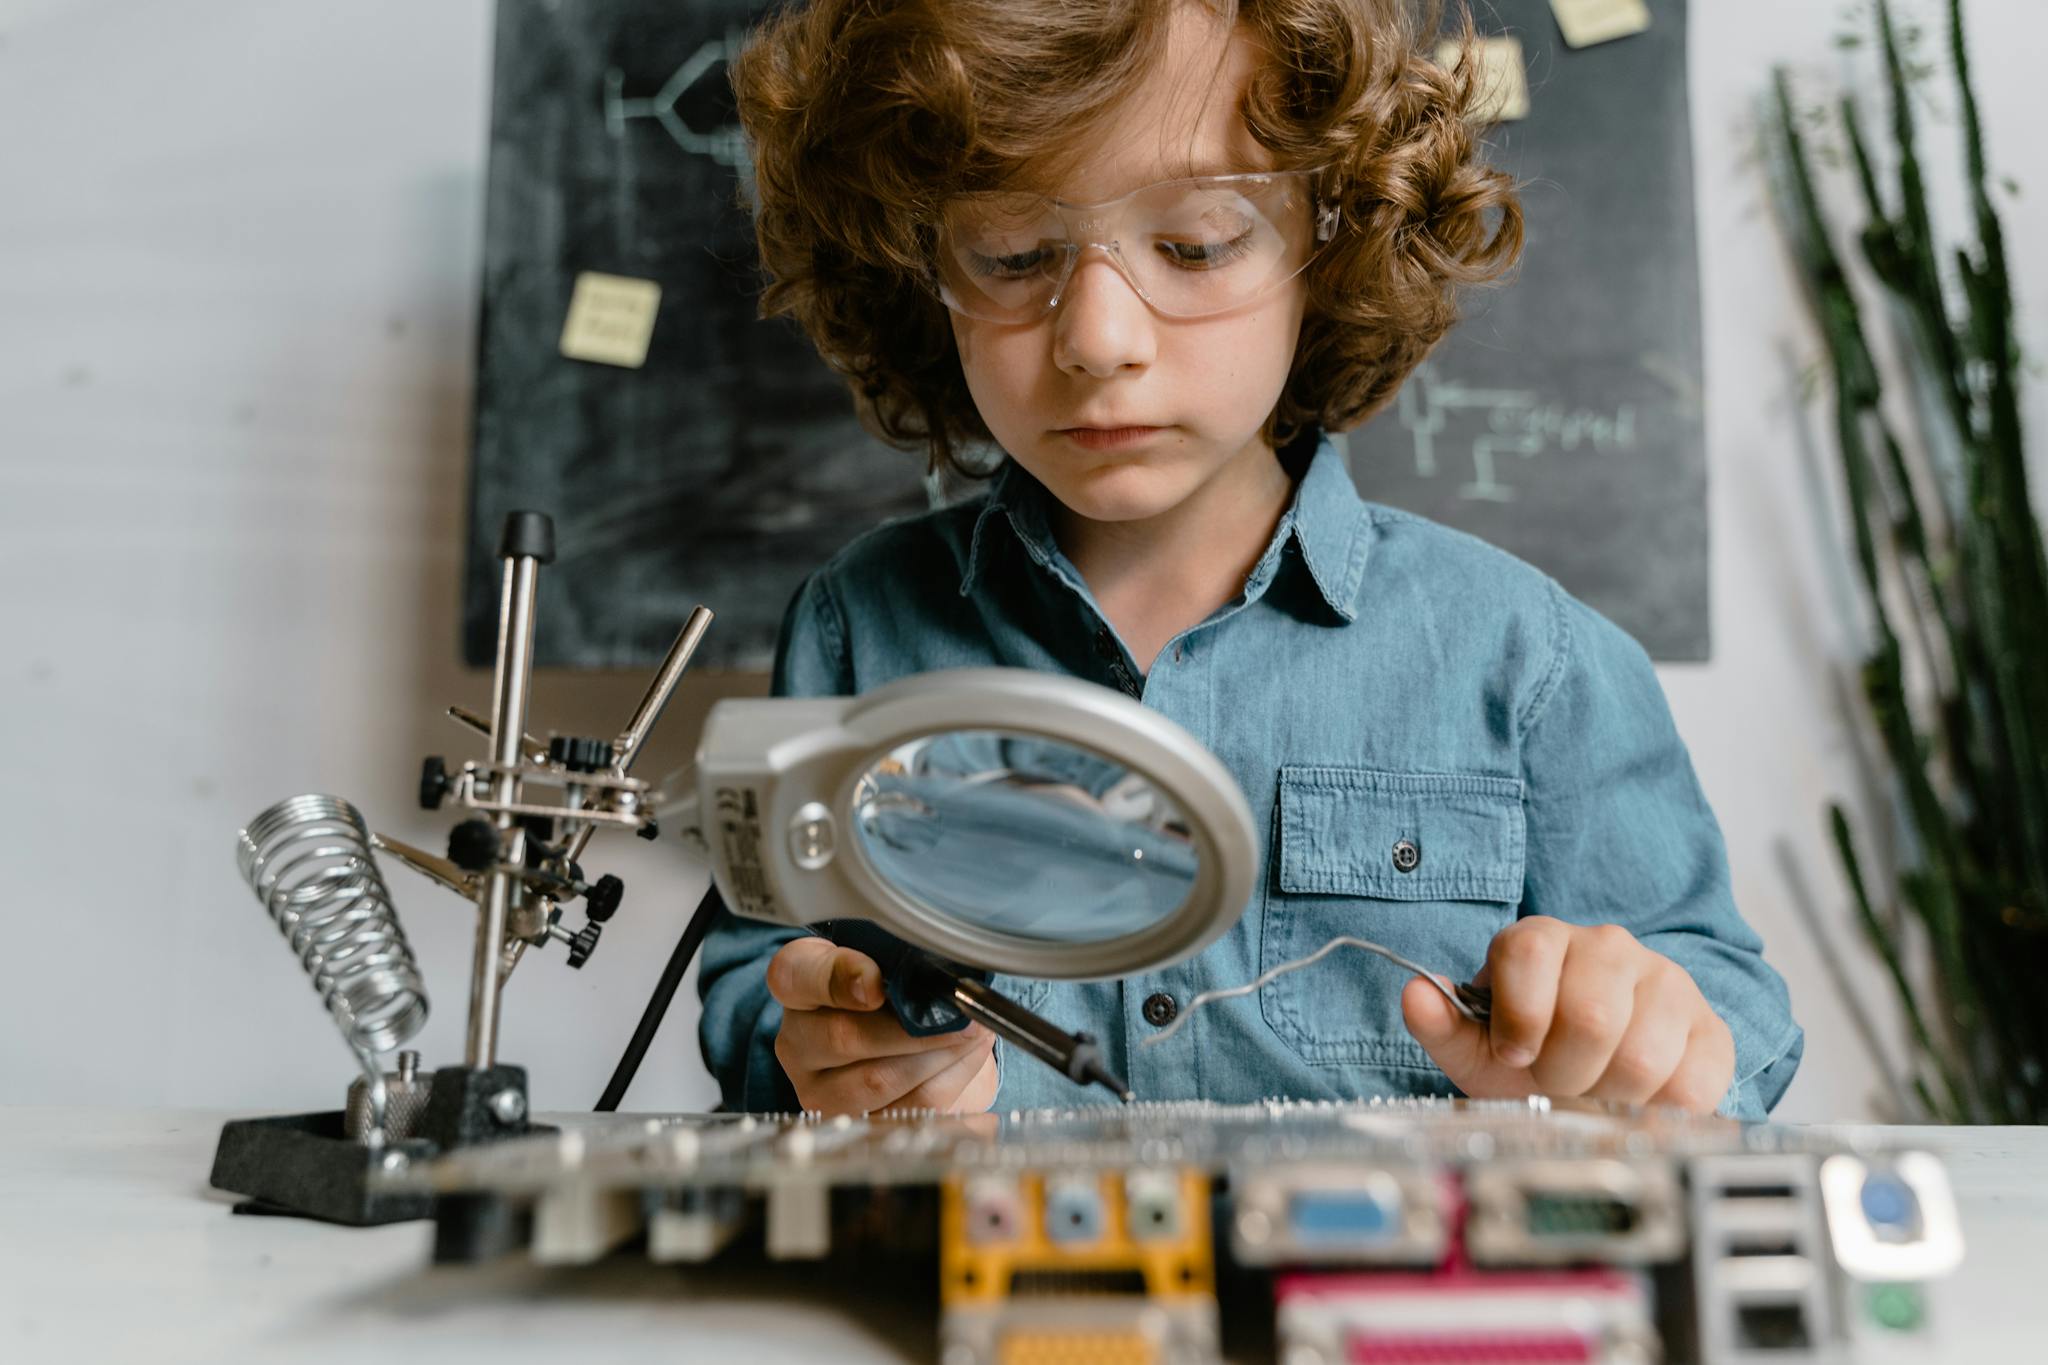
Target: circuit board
1369 1233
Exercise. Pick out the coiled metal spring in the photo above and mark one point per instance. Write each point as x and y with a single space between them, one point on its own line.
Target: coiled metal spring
308 859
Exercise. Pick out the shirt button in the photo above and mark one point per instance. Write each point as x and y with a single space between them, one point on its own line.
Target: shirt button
1407 857
1160 1008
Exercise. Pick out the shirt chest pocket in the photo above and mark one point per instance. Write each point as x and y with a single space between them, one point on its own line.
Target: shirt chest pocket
1427 864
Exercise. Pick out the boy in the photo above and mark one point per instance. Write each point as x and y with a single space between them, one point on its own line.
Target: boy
1152 251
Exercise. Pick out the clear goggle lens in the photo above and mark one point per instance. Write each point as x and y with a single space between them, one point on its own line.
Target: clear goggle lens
1188 247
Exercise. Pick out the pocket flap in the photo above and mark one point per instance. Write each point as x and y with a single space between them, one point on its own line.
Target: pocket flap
1339 828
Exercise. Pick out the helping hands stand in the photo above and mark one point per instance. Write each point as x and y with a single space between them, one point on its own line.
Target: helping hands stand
515 859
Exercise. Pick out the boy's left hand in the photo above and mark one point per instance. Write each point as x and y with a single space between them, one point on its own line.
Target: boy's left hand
1579 1010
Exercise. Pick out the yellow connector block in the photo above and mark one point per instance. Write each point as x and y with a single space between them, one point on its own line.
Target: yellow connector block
1077 1348
977 1267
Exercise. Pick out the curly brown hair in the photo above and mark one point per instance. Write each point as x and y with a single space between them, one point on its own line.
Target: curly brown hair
865 115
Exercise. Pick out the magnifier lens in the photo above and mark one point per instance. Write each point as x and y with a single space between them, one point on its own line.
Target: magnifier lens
1025 836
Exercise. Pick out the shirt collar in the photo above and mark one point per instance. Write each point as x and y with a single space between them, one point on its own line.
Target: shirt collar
1329 521
1326 519
1019 500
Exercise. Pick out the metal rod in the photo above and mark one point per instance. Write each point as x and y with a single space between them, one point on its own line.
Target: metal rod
658 691
627 746
600 817
536 752
487 974
508 726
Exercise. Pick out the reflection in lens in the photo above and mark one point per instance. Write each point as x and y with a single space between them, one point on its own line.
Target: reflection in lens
1024 836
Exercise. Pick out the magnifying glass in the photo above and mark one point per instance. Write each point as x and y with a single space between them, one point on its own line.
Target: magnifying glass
969 821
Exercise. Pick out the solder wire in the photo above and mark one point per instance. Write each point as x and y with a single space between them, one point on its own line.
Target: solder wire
1470 1001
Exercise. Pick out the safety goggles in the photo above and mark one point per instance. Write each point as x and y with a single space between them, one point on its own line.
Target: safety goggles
1189 247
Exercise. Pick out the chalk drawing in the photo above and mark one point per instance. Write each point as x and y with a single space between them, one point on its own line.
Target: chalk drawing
1501 422
725 144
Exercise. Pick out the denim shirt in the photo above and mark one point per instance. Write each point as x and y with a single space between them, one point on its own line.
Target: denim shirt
1380 679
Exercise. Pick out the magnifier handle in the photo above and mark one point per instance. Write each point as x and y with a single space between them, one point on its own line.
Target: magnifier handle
919 986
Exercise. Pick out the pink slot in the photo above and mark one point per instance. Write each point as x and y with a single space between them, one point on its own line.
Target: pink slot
1351 1284
1511 1348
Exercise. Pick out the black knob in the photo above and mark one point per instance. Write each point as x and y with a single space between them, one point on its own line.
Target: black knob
528 534
580 755
584 944
602 899
433 783
650 830
473 845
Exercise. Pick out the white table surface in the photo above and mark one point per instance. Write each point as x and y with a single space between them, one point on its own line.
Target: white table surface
113 1248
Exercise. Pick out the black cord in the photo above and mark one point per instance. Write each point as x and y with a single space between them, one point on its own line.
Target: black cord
657 1005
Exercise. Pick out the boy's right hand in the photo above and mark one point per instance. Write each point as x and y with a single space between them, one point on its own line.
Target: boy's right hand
848 1054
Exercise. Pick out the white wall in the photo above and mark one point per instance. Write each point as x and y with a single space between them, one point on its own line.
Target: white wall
1764 719
239 244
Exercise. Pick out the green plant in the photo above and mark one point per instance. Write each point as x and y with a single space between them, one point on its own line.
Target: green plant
1949 551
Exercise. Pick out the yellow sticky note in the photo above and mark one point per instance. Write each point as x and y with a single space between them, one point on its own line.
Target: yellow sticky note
1586 22
1503 78
611 319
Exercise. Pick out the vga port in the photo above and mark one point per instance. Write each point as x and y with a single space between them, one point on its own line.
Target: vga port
1338 1214
1358 1217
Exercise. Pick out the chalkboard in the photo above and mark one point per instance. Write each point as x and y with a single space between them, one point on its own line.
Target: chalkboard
1562 421
728 465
